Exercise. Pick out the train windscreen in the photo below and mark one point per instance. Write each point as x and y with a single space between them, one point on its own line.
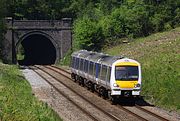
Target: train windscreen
126 73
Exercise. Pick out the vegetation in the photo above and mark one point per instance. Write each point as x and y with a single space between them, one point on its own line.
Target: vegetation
2 27
16 100
98 23
159 56
101 26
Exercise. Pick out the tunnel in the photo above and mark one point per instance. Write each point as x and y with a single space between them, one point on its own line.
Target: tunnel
37 50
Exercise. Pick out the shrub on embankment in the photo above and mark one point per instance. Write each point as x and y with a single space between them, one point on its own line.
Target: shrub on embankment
105 22
16 100
159 55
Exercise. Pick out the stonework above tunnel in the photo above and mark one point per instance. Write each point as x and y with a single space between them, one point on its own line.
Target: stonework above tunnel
57 31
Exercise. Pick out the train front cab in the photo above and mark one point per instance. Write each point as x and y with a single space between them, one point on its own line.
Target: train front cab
126 81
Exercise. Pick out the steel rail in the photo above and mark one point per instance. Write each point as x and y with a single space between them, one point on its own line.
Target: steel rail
122 108
106 113
151 113
137 106
60 92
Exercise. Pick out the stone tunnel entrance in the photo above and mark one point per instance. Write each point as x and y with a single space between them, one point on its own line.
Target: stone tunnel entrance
36 49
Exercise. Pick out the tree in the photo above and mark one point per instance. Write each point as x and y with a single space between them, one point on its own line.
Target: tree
2 27
87 34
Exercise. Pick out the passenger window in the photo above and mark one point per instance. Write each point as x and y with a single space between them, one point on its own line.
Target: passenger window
109 74
72 62
86 66
99 73
98 66
91 68
81 64
103 72
77 63
94 69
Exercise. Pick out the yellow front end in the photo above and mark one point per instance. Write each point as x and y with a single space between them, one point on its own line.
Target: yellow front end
126 78
126 84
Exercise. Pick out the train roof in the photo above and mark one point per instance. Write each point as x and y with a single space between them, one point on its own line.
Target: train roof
101 58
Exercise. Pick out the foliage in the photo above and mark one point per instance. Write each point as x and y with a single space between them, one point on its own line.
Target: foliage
2 27
67 58
87 34
16 100
126 19
101 22
177 16
108 20
159 57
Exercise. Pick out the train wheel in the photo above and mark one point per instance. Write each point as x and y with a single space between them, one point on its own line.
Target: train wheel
109 94
79 80
113 100
82 82
89 85
72 76
92 87
103 92
76 78
105 96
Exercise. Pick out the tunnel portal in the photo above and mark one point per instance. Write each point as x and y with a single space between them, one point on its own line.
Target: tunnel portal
38 50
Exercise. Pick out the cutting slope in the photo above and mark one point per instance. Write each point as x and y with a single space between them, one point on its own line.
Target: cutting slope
159 55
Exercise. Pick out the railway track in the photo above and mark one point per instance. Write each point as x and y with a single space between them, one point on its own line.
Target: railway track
88 113
133 110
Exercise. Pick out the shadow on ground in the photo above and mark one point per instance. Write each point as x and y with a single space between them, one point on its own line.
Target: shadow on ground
132 102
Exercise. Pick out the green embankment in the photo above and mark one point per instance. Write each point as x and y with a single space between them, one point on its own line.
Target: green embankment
16 100
159 55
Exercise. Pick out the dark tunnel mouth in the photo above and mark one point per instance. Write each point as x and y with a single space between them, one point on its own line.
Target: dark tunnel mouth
37 50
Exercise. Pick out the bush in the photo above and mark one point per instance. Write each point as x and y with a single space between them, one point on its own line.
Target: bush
177 17
128 19
87 34
126 22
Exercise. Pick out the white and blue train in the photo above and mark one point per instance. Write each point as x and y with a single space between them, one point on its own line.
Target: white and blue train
111 76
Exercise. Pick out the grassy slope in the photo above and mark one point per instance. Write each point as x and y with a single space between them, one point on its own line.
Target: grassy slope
16 100
159 55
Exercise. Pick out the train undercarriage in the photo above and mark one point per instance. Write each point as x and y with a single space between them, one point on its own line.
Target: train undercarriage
102 91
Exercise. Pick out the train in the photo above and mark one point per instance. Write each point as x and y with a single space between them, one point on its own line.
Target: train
112 77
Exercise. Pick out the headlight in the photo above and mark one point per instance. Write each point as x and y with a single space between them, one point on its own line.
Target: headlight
115 85
137 85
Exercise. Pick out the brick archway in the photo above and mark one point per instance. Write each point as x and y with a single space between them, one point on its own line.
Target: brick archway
57 31
46 49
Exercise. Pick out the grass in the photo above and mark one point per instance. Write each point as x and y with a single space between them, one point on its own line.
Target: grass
66 60
16 100
159 55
